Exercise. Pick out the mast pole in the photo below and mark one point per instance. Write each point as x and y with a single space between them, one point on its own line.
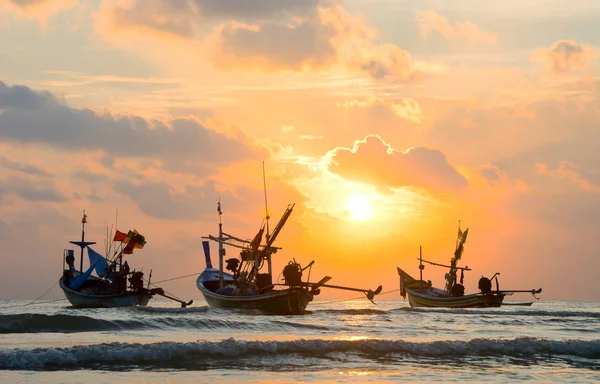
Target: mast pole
83 221
267 219
421 266
221 246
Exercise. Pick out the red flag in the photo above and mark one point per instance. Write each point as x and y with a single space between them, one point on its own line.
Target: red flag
119 236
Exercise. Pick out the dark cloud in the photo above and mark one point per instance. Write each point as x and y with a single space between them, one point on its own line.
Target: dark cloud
26 3
373 161
38 117
270 44
255 9
27 169
565 55
183 17
31 190
160 200
92 177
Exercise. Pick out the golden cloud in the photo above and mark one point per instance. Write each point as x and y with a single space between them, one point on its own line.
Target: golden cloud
374 161
405 108
430 21
567 171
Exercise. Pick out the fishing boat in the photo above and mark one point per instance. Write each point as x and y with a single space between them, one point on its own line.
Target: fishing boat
113 284
422 294
248 285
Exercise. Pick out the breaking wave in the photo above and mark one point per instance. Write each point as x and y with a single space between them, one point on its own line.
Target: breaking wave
36 323
238 353
498 312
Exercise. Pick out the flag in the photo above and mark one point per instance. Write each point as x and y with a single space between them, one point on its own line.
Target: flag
140 240
460 234
132 239
128 250
464 236
219 207
84 218
459 251
257 239
119 236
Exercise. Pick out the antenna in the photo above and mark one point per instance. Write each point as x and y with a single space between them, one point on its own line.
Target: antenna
266 205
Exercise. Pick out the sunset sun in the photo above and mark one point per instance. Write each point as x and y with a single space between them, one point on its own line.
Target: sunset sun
359 206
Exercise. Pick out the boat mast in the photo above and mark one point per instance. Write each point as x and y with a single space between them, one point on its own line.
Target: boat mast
83 221
267 219
421 266
82 244
221 246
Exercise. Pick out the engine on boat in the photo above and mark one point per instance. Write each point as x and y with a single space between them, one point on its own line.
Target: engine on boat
232 264
485 285
137 280
292 273
458 290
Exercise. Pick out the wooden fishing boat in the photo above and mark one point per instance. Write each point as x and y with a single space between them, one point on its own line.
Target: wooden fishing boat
114 285
422 294
248 286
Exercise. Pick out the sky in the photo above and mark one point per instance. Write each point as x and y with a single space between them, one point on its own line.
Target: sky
386 123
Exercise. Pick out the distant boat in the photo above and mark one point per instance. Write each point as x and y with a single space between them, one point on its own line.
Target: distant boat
114 284
248 286
421 293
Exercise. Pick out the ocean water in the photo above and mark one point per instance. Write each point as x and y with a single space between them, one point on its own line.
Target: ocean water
337 341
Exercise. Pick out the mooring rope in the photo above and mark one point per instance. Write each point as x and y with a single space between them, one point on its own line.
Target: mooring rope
356 298
34 301
176 278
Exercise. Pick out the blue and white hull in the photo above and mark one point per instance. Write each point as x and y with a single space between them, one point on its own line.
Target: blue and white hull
108 300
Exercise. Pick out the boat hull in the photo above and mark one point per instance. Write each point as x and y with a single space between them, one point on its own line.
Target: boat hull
292 301
430 299
113 300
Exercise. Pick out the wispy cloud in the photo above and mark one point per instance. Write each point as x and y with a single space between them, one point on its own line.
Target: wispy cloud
431 21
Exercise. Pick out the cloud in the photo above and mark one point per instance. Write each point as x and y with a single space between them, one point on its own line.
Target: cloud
38 190
570 172
565 56
268 45
192 202
40 10
430 21
185 145
186 18
329 37
405 108
372 160
274 36
92 177
27 169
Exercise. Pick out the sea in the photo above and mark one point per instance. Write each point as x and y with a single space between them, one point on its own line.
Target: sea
337 341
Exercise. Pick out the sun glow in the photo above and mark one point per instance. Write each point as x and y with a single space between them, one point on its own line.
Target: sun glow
359 206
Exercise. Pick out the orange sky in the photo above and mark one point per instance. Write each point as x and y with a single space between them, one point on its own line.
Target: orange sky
426 112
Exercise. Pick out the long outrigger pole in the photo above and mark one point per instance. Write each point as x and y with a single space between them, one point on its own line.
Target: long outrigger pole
443 265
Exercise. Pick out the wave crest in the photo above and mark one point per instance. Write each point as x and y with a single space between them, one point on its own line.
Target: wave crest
191 355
